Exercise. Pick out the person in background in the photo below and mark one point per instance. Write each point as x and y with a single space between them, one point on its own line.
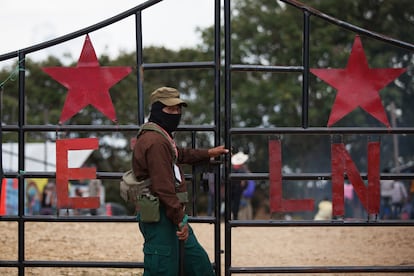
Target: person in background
398 198
153 159
411 198
386 187
246 210
48 203
32 198
349 200
209 178
324 210
78 193
94 190
237 186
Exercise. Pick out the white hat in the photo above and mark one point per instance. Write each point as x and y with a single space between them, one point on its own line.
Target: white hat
239 158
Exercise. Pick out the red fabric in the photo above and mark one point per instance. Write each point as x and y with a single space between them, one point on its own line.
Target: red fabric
3 197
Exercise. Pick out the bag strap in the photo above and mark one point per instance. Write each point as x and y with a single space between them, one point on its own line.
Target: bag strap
154 127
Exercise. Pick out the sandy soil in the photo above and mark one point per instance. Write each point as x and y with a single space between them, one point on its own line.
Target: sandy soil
293 246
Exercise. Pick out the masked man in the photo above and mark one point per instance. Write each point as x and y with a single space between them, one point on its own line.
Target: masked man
156 157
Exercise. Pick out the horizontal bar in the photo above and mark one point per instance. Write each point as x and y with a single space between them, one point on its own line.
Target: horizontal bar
117 128
233 223
95 219
314 176
178 65
239 270
30 174
245 130
321 223
63 128
321 269
266 68
73 264
320 130
234 176
99 175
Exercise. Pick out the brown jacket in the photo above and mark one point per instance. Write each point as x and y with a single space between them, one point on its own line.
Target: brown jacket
153 158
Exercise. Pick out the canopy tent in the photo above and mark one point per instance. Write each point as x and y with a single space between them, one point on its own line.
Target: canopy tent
40 157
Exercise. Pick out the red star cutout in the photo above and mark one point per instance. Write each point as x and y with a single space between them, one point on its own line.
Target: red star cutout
87 83
358 85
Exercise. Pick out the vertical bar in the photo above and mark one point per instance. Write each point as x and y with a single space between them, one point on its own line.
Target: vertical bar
337 171
140 70
193 179
396 150
181 271
217 136
275 176
374 179
1 140
305 73
227 126
21 154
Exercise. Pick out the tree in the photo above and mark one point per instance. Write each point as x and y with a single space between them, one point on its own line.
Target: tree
270 33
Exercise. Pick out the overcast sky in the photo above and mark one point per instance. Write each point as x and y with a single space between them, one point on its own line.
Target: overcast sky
170 23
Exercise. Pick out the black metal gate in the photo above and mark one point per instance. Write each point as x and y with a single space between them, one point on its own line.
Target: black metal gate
226 132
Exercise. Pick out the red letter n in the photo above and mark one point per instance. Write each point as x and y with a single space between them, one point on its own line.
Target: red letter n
341 163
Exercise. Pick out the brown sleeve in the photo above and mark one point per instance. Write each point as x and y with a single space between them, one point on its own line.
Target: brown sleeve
153 158
191 156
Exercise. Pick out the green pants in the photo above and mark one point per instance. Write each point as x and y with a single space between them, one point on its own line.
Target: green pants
161 252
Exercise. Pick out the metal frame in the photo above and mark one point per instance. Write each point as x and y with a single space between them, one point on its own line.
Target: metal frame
229 131
21 128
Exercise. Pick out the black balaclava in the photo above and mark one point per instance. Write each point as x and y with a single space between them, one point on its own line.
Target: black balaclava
169 122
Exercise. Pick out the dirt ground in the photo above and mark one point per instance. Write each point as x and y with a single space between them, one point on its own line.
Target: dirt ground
285 246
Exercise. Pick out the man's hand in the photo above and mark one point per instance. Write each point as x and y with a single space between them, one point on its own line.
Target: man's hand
182 233
217 151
